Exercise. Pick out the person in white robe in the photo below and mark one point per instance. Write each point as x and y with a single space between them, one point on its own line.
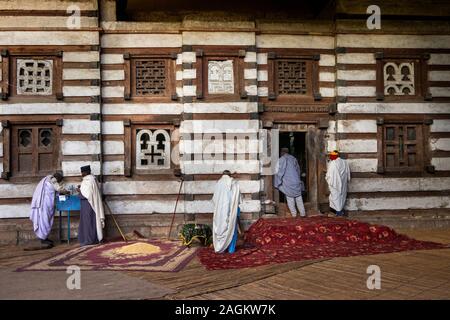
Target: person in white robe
226 199
43 206
92 217
338 177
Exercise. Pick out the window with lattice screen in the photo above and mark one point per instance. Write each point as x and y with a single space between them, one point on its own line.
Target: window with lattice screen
150 77
291 76
403 147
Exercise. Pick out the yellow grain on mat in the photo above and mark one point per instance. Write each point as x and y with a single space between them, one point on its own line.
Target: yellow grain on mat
137 249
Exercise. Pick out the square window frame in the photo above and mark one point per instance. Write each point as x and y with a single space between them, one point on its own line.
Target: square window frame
206 54
130 74
312 77
420 70
8 156
9 61
425 157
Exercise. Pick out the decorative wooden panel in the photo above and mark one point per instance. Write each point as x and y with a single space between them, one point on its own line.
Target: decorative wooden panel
402 146
291 77
402 76
399 78
150 77
152 149
220 77
34 77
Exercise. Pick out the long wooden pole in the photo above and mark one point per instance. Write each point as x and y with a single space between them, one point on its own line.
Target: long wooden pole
115 222
175 210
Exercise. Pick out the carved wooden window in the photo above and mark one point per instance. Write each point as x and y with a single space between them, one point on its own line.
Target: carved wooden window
152 149
32 76
150 77
401 76
34 149
402 146
293 77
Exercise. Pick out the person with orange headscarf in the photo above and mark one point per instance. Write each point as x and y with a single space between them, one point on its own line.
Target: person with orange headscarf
338 176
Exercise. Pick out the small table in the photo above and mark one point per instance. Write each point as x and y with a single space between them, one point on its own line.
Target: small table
66 203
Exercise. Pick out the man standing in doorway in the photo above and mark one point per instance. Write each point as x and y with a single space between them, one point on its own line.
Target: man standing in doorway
226 199
92 218
287 180
43 206
338 176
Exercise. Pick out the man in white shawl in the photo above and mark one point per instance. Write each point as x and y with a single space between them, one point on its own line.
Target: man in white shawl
43 206
92 217
338 176
226 199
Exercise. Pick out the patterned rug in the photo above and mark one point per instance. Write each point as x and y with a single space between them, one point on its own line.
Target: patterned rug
148 255
271 241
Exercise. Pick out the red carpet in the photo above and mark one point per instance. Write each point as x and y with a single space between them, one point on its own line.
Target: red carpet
283 240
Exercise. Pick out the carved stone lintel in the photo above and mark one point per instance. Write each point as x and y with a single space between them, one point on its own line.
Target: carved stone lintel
298 109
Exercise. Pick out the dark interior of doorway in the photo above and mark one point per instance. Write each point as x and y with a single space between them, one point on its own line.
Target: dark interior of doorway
296 142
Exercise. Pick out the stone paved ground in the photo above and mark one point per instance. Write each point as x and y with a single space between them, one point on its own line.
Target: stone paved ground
405 275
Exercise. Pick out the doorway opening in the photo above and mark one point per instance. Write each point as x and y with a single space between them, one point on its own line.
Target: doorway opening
296 143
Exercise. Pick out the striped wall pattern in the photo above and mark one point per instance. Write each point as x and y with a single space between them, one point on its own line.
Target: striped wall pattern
94 82
355 125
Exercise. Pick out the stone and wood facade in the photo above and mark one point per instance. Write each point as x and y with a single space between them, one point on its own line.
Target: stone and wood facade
143 98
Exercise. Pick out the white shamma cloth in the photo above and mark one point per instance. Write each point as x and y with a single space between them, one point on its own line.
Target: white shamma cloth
90 190
338 176
226 199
